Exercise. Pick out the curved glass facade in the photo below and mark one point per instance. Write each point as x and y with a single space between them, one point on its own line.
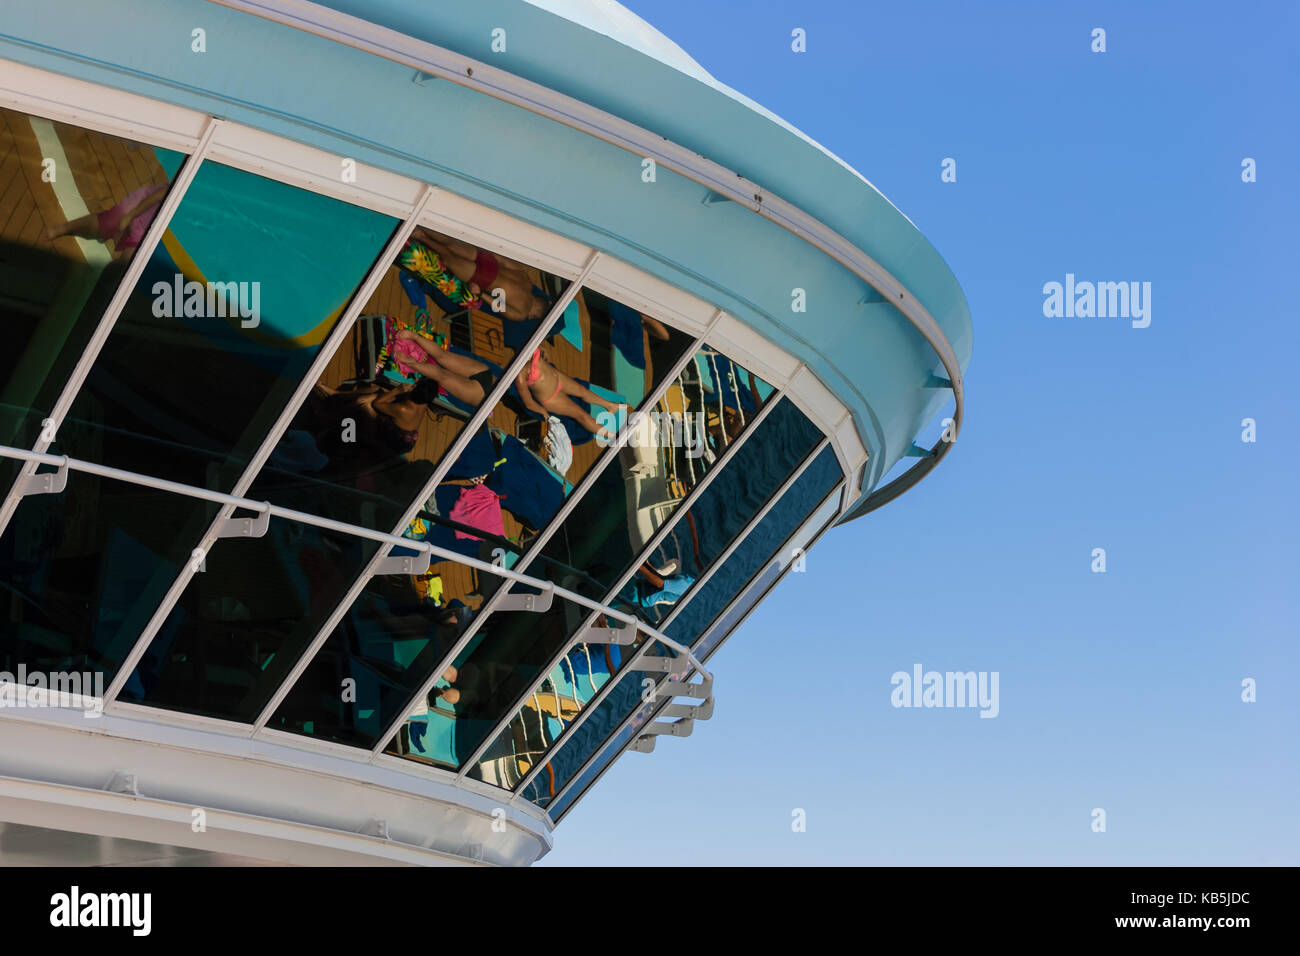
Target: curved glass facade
578 471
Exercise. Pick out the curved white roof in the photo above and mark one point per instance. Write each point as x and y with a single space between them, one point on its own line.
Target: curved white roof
619 23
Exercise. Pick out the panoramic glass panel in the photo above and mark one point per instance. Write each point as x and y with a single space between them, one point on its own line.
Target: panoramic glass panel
248 280
498 665
603 535
758 469
74 206
541 439
357 685
515 473
82 571
720 514
759 545
608 720
766 539
395 395
554 704
754 592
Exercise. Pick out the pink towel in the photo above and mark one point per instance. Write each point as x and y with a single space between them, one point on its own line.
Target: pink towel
478 507
405 348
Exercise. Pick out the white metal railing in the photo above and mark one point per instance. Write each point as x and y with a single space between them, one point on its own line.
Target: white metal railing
810 531
536 547
754 522
47 483
681 508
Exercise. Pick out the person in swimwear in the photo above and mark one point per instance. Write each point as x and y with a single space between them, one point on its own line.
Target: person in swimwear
125 223
396 414
545 389
464 378
482 272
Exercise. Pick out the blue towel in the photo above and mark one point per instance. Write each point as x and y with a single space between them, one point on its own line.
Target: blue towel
626 334
532 491
572 329
477 458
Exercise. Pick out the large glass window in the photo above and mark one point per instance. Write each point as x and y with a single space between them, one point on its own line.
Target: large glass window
688 625
249 279
758 470
74 207
610 527
560 413
400 388
698 624
388 643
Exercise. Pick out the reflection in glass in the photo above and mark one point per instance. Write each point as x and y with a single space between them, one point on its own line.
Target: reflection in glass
74 206
497 665
605 728
248 280
373 663
757 471
763 541
513 475
748 559
601 359
609 528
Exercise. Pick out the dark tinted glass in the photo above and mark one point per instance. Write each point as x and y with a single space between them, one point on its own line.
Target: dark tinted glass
544 436
507 484
782 520
249 279
600 536
74 207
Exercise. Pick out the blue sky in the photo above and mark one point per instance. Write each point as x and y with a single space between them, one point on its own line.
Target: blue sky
1119 690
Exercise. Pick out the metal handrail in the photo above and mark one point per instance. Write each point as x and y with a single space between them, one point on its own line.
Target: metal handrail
63 462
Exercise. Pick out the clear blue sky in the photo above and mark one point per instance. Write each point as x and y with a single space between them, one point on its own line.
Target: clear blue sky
1119 690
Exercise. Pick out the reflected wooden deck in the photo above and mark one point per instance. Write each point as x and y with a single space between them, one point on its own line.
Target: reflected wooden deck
103 170
439 431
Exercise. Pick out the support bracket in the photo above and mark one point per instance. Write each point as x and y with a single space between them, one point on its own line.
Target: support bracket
537 603
246 527
916 451
624 635
676 688
655 665
411 564
46 483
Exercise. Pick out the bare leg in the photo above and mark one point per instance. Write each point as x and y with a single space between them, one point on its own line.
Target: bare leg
654 579
563 405
87 227
462 365
460 250
570 387
471 393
